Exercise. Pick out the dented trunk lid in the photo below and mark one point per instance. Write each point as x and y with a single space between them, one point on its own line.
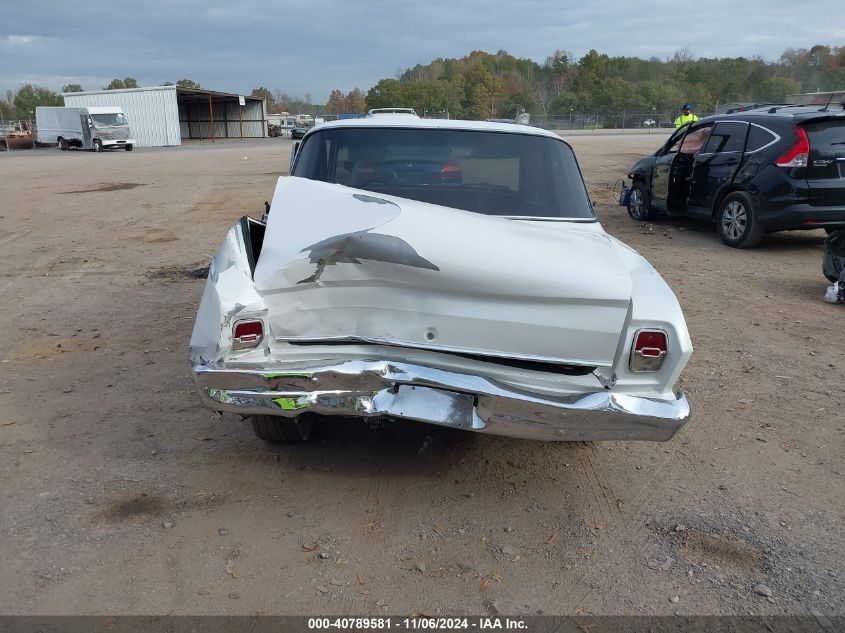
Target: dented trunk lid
341 264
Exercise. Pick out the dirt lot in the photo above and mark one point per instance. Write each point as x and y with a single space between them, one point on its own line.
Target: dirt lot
119 494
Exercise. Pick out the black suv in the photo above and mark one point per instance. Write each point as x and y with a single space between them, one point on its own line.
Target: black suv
769 169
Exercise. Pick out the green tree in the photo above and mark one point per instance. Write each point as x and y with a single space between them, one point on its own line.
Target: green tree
119 84
188 83
263 93
29 97
72 88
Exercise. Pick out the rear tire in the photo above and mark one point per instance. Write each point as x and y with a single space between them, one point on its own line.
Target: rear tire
97 145
276 429
128 148
737 221
63 144
639 203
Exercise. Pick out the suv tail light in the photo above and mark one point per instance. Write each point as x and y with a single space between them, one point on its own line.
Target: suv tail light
247 334
798 155
649 350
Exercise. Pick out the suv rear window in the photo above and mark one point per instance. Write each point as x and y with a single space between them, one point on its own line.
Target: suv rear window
827 134
495 173
759 137
827 152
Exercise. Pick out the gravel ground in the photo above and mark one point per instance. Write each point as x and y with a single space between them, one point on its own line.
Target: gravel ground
119 494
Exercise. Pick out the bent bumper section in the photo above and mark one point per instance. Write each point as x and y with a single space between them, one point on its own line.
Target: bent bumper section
366 389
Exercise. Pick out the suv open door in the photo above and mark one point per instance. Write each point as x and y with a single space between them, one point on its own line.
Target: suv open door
715 165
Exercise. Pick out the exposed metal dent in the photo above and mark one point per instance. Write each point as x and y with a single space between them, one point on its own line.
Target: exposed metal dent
374 199
353 247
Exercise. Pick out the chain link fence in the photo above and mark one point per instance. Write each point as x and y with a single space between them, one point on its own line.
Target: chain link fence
598 121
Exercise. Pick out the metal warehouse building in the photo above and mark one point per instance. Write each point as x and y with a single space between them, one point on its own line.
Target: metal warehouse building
165 115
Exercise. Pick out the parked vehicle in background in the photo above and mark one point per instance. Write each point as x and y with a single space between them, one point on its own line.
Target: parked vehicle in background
379 111
15 135
649 123
299 131
448 272
754 172
95 128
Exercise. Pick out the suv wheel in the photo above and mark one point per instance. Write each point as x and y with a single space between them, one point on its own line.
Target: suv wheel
639 203
97 145
737 221
274 429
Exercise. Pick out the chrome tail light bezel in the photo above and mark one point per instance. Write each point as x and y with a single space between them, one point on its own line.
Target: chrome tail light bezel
247 341
648 360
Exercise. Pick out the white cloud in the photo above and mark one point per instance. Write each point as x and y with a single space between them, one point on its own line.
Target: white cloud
21 40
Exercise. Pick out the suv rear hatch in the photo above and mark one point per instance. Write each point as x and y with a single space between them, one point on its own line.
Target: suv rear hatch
826 163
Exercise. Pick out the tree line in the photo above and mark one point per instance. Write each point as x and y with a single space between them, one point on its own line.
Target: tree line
485 85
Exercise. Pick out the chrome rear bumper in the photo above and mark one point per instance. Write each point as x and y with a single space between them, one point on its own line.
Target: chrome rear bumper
446 398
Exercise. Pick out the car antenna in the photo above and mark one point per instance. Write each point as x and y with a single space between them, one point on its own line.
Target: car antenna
824 109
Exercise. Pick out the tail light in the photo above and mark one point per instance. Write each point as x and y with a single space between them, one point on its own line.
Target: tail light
451 171
648 351
798 155
247 333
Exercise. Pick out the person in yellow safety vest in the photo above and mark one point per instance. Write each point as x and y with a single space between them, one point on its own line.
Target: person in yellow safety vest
686 117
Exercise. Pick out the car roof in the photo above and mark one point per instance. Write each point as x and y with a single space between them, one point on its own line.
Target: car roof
797 112
410 121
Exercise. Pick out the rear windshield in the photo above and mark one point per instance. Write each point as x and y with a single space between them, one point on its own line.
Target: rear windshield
826 134
494 173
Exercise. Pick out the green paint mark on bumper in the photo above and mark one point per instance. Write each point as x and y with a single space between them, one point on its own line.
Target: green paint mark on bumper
290 404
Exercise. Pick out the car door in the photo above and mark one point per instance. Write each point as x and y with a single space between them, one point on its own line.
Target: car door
715 165
662 169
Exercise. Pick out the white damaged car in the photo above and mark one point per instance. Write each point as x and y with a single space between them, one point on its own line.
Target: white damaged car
448 272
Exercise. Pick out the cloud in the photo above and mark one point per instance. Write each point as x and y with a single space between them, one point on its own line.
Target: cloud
299 48
20 40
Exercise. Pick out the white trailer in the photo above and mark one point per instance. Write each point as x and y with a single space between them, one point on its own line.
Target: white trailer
96 128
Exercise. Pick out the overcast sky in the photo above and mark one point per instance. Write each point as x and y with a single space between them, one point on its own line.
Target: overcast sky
312 47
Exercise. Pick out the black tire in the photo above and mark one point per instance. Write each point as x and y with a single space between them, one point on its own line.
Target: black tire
639 203
737 221
276 429
97 145
63 144
128 148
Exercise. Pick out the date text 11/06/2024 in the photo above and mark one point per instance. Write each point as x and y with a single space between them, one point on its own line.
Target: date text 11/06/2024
417 624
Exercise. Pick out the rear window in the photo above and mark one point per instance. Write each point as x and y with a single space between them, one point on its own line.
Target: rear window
827 134
494 173
759 137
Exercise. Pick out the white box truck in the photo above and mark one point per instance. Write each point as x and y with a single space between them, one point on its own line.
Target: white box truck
96 128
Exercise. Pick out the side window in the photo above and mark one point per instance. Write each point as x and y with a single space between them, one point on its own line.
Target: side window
695 140
726 138
759 137
674 142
